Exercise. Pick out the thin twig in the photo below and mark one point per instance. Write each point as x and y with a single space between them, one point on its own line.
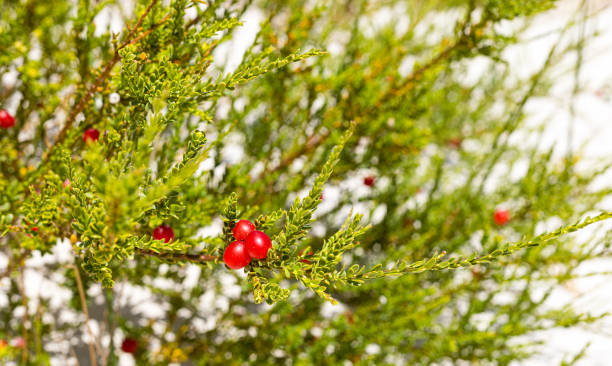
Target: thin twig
92 352
196 258
311 144
416 74
24 299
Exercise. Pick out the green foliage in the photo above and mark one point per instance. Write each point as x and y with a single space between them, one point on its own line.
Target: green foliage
500 9
284 139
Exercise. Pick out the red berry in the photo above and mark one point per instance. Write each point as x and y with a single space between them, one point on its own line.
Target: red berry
307 261
129 345
242 229
258 244
369 181
91 135
6 120
163 232
501 217
236 256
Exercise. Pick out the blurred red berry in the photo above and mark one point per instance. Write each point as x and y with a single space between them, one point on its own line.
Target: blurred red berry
129 345
6 120
369 181
242 229
91 135
501 217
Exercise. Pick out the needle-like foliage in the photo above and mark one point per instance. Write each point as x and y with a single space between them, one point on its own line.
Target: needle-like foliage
198 132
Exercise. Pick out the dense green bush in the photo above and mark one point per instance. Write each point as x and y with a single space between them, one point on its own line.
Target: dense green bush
347 131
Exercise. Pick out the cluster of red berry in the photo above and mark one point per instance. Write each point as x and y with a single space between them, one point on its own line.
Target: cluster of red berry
249 244
30 229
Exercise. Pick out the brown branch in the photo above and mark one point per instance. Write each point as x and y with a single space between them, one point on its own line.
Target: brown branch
311 144
106 72
314 141
6 92
466 32
407 82
92 352
144 34
196 258
24 320
139 24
